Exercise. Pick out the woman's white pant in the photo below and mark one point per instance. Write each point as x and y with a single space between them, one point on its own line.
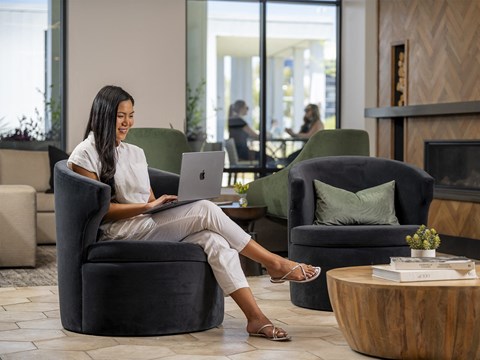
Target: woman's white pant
205 224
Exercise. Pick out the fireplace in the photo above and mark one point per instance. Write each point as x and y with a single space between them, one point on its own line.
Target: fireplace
455 166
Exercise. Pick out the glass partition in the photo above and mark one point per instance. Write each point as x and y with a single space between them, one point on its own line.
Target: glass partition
253 68
31 72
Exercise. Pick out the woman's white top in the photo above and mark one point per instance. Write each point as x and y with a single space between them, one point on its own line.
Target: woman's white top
132 184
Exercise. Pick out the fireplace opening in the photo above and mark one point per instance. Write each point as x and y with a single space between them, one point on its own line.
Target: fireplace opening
455 166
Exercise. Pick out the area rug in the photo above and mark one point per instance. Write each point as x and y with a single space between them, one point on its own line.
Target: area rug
44 274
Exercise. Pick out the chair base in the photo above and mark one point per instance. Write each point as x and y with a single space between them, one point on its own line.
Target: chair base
314 295
146 299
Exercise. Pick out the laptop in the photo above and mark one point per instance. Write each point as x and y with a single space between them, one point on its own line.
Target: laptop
200 178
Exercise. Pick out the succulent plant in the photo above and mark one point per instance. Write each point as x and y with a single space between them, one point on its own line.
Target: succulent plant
424 239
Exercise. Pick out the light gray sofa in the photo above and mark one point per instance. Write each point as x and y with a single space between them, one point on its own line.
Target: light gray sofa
18 233
24 167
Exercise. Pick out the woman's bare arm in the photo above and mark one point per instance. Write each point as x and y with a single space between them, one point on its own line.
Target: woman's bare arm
118 211
317 126
250 132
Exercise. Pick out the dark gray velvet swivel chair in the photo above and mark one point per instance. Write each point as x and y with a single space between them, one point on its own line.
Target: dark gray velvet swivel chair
129 287
334 246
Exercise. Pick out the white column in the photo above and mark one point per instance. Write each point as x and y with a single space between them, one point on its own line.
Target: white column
359 65
317 76
275 91
298 88
241 84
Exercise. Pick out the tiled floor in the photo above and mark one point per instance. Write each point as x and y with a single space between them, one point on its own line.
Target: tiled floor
30 328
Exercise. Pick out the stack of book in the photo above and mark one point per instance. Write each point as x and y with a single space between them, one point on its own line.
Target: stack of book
405 269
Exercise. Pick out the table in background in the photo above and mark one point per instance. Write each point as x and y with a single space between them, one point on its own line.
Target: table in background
279 148
414 320
245 217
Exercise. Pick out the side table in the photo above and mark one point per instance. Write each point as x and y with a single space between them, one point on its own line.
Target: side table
245 217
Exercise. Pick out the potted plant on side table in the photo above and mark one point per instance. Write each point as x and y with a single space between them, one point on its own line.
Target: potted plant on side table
241 190
424 242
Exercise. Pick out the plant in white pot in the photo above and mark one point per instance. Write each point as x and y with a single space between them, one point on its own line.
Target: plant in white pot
424 242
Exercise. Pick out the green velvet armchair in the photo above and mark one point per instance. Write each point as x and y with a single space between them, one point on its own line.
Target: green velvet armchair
271 190
163 147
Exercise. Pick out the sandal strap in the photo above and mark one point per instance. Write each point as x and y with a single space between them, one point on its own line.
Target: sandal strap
274 331
259 331
284 277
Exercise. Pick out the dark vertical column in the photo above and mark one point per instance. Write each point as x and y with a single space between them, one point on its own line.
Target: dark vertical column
398 138
263 81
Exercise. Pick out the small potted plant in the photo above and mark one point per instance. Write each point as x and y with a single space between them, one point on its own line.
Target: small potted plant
241 190
424 242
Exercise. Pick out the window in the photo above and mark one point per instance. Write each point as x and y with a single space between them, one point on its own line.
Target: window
31 72
261 63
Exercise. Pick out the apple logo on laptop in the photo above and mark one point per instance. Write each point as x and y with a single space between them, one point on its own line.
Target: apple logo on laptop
202 175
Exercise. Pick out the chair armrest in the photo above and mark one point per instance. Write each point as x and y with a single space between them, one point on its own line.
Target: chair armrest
80 205
163 182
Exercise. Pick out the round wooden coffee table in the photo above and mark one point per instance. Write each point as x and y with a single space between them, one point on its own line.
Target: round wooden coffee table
415 320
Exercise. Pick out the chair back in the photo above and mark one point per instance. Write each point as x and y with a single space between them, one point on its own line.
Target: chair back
80 204
335 142
163 147
231 151
413 186
272 190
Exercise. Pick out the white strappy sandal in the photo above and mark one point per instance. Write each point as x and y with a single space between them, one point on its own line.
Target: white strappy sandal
274 336
305 280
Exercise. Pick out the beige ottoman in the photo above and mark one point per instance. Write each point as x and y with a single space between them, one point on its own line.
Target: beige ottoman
17 226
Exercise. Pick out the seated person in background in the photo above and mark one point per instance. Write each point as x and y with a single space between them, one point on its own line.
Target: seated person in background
240 131
311 124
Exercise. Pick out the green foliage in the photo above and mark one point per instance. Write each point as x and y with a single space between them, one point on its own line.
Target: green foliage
240 188
424 239
29 129
195 113
331 68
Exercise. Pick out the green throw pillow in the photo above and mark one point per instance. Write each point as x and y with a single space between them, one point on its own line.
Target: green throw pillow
373 206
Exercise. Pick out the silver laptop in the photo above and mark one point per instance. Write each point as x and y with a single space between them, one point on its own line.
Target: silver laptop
200 178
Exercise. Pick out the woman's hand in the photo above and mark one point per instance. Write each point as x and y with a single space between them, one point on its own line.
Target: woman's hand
161 200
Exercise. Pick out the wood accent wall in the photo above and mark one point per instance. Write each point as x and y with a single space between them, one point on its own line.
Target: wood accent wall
443 66
444 49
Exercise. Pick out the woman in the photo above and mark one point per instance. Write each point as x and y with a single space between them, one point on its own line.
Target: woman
103 156
240 131
311 124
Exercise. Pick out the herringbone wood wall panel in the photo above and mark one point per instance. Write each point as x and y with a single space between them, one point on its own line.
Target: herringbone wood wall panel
443 66
444 49
455 218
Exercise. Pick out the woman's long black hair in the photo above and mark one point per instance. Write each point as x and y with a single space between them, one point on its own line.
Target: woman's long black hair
103 123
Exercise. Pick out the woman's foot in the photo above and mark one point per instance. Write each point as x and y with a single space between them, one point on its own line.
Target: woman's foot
287 270
264 328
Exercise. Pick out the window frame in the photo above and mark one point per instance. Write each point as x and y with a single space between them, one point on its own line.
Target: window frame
262 169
